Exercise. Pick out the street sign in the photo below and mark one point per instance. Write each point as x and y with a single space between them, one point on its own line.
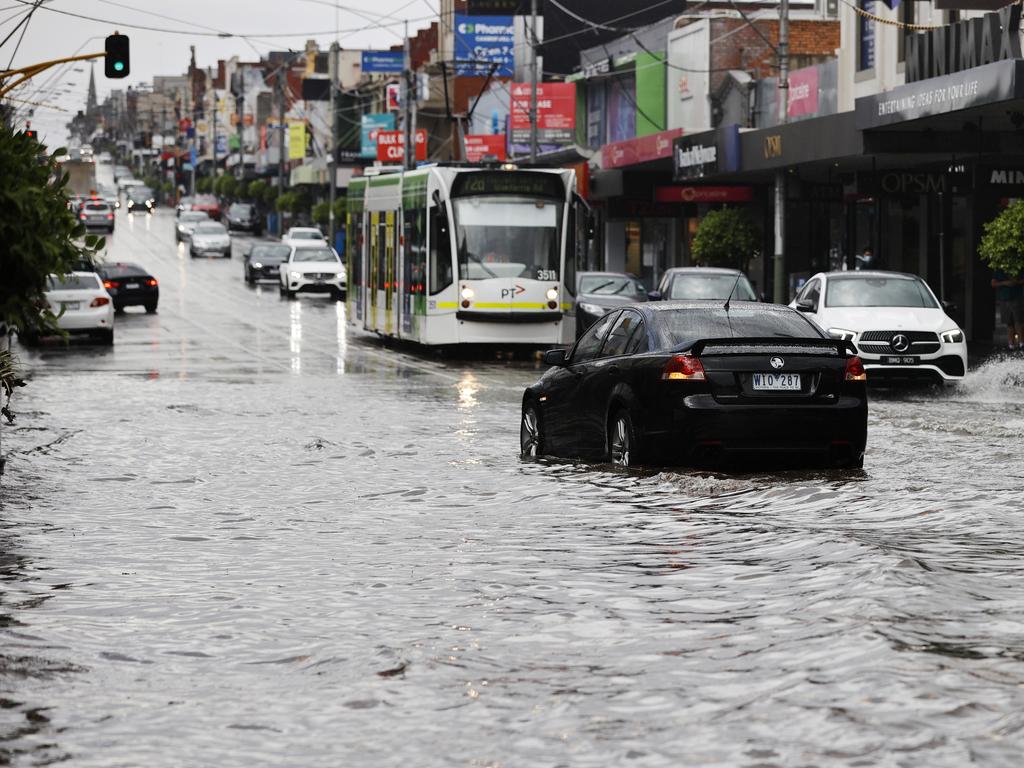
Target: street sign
383 62
485 146
481 41
370 125
391 145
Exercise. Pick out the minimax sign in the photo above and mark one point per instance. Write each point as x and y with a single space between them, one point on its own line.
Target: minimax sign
964 45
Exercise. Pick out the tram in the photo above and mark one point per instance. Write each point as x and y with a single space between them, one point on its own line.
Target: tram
452 254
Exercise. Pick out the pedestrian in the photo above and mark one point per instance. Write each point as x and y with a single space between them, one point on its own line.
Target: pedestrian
865 258
1010 302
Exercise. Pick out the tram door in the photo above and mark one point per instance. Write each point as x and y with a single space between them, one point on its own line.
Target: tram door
371 283
390 272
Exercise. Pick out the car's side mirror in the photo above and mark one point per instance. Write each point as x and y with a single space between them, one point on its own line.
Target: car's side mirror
654 295
806 305
555 357
765 298
949 307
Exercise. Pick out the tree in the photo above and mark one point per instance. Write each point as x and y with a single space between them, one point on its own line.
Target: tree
270 195
1002 244
204 185
256 190
322 213
41 236
226 186
725 238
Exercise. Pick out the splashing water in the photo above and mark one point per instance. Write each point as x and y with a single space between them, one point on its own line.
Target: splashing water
999 379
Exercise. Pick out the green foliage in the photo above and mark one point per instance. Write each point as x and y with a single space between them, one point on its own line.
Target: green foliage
204 185
256 190
285 202
242 190
322 213
725 238
40 235
226 186
270 195
1002 245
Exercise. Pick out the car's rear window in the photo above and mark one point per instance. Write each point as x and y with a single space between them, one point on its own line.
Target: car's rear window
97 207
74 282
683 327
213 228
124 270
194 216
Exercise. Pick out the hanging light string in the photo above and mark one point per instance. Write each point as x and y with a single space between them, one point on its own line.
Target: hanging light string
891 22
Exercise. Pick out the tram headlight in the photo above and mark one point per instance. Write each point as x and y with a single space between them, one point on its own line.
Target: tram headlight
468 293
552 294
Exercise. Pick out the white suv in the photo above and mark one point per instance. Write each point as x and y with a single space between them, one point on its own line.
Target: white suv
898 326
312 268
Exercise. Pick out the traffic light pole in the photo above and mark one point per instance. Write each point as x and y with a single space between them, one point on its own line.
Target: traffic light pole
34 69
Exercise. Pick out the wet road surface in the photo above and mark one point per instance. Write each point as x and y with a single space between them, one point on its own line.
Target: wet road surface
248 536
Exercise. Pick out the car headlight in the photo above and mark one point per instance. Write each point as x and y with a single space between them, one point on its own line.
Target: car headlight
181 228
552 294
592 309
257 265
468 293
295 275
841 334
955 336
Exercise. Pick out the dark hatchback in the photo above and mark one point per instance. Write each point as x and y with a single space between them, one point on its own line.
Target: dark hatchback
241 217
598 293
263 261
129 285
694 382
139 198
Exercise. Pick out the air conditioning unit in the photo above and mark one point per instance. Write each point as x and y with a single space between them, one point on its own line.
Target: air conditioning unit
828 9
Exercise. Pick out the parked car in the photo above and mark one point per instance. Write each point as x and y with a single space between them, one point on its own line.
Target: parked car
899 327
208 204
263 261
598 293
312 268
82 305
242 217
695 283
129 285
184 204
121 172
139 198
187 222
97 214
109 194
304 235
209 237
686 382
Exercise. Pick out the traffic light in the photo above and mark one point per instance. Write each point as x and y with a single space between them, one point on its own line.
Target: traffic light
115 63
29 133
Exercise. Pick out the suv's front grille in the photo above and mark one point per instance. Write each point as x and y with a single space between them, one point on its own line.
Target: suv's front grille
921 342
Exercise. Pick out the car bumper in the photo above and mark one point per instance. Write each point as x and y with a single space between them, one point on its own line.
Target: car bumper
314 286
133 298
222 250
265 273
944 367
702 425
84 320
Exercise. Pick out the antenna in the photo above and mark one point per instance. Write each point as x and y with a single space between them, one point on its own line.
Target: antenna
729 298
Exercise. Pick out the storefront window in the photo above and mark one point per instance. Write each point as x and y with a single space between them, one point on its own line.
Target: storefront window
621 112
865 36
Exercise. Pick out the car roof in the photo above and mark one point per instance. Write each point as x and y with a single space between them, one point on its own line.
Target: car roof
653 307
703 270
866 273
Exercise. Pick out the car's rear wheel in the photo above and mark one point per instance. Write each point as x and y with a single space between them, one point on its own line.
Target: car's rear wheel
107 337
531 434
623 443
150 307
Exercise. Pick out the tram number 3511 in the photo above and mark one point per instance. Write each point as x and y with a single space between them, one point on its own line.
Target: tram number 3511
547 274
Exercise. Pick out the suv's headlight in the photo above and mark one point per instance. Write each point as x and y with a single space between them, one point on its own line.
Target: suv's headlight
955 336
842 334
592 309
295 275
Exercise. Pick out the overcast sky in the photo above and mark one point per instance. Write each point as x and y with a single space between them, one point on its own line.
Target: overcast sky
164 50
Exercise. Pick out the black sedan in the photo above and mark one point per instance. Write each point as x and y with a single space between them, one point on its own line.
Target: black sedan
129 285
139 199
598 293
241 217
263 261
700 381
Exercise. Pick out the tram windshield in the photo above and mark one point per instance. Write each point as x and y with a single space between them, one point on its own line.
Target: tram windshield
508 236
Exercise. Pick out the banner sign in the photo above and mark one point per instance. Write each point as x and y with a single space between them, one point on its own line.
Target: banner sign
803 92
703 194
639 150
556 113
371 124
693 158
383 62
483 146
391 146
481 41
296 141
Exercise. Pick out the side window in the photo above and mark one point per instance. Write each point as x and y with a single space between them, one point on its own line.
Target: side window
813 292
620 334
638 343
590 342
440 250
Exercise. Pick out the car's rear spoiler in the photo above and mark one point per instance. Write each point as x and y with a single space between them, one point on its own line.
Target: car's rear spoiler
772 345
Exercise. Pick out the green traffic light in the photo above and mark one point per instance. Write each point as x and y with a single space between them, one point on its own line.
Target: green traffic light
119 65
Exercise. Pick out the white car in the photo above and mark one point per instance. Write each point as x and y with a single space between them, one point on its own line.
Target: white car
899 327
304 236
209 237
312 268
187 222
82 305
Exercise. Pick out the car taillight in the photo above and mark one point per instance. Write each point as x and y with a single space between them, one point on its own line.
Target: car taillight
151 281
110 215
99 301
81 216
683 367
111 284
855 370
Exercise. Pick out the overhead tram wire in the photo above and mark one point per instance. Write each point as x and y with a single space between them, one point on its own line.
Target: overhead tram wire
24 28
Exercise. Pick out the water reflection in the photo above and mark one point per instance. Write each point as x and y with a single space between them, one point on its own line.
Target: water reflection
295 337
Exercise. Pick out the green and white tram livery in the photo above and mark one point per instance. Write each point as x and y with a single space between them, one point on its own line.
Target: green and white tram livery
446 255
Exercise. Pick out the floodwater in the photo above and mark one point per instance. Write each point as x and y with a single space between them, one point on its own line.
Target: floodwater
247 536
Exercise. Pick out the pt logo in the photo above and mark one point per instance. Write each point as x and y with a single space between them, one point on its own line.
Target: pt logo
511 293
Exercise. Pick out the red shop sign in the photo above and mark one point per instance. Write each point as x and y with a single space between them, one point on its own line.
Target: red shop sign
391 145
482 145
694 194
639 150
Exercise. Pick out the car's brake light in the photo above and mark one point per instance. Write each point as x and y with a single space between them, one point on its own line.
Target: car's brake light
99 301
81 215
855 370
151 281
111 284
683 367
110 215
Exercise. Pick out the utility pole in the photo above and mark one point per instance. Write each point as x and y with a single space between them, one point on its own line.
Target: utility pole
194 154
281 75
533 81
408 99
332 147
213 92
780 293
241 123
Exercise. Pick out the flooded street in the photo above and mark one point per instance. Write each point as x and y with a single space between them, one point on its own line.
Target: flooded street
246 535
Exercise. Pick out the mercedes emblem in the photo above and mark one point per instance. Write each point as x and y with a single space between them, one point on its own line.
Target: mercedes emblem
899 342
777 362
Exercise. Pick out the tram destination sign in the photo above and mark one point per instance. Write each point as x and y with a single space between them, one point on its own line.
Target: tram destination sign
508 183
989 84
